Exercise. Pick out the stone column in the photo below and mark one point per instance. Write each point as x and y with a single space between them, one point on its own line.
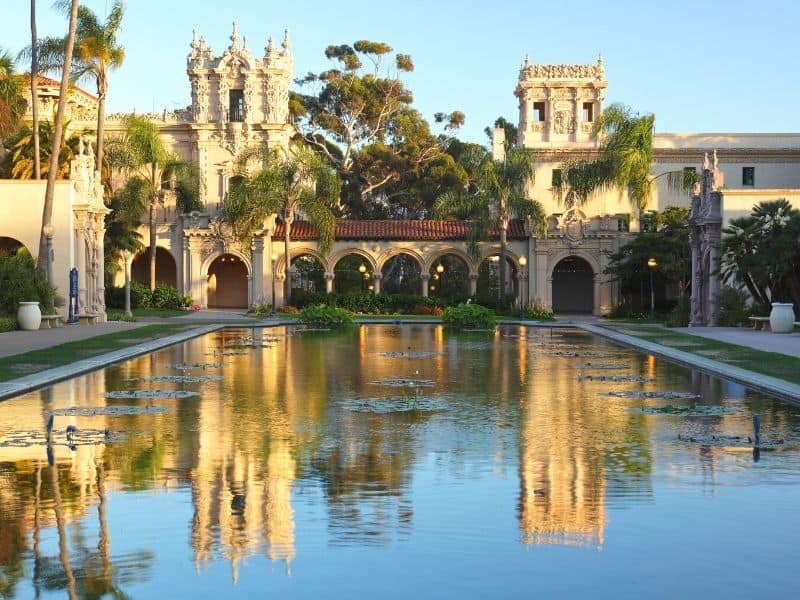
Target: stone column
542 289
257 276
548 114
376 283
695 315
576 115
101 261
473 284
197 282
80 260
596 294
186 276
714 285
425 278
329 277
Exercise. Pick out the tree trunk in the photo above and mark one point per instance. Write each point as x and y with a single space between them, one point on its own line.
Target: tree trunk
153 207
287 280
102 89
502 272
37 166
47 209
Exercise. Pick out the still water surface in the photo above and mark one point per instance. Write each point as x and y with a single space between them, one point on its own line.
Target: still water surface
398 462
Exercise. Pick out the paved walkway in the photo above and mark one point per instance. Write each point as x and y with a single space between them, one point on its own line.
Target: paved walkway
783 343
19 342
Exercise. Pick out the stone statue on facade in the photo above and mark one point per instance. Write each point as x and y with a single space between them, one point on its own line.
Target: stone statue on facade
705 232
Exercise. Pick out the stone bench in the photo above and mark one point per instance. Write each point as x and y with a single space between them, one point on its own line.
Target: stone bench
760 322
88 318
51 321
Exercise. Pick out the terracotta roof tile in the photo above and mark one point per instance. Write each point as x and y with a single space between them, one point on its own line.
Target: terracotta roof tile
429 231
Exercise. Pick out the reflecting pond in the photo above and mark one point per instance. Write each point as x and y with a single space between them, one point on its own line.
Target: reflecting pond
399 461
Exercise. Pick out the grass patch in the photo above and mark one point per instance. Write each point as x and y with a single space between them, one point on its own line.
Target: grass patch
159 312
767 363
47 358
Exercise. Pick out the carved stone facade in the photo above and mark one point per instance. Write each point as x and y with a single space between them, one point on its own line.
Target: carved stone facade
559 103
705 232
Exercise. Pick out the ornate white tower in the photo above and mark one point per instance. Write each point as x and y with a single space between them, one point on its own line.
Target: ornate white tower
558 104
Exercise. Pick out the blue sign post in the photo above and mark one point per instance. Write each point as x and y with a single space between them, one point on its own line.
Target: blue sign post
73 296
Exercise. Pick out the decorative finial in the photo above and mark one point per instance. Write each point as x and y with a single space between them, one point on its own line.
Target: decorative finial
601 64
244 42
706 165
80 146
716 161
235 36
193 45
270 49
527 62
286 45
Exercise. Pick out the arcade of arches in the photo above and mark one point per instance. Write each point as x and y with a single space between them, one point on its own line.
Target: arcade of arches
561 271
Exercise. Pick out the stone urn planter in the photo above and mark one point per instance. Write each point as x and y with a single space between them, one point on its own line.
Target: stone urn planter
29 315
781 318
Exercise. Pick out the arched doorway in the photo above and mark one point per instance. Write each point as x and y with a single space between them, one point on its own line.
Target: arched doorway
166 269
449 279
352 275
401 274
9 246
573 286
307 275
489 281
227 282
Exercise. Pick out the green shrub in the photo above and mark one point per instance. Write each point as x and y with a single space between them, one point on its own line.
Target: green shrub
141 296
118 315
537 311
22 281
326 316
679 317
473 316
733 308
262 310
166 296
366 303
8 323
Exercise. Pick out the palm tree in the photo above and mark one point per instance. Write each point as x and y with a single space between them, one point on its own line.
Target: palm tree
96 52
624 161
22 160
45 260
497 193
284 184
152 171
37 165
12 98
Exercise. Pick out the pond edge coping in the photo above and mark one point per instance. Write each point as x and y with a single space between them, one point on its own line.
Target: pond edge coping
34 381
781 388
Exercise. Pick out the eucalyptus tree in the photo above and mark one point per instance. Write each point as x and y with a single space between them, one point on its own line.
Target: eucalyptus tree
152 170
358 116
44 259
12 97
624 161
497 193
283 183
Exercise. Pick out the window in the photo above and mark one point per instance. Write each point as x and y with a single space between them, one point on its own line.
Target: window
588 112
236 110
749 176
556 180
538 111
648 221
623 223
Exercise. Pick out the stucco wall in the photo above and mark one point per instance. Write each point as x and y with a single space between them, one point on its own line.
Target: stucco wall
21 205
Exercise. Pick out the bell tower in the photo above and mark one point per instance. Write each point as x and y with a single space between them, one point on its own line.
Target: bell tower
558 104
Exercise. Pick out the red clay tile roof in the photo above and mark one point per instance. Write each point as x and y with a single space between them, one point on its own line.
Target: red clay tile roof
429 231
48 82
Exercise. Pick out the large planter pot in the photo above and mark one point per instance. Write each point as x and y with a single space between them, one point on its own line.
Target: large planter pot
29 315
781 318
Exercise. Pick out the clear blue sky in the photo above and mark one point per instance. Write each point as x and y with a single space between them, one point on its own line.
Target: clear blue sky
715 66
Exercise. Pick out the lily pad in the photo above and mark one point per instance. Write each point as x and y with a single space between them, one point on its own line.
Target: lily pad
616 378
80 437
689 411
410 354
151 394
404 382
668 395
191 366
111 411
736 441
179 378
395 404
602 366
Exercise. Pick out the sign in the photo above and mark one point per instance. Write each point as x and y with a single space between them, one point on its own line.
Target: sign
73 296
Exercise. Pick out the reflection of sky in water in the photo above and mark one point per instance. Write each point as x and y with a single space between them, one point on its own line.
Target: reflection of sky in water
310 466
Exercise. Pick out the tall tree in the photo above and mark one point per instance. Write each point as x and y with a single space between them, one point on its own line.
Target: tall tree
287 184
141 153
351 117
37 168
624 161
497 193
44 260
12 98
96 52
20 162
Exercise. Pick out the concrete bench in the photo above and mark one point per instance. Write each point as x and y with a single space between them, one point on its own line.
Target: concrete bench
51 321
760 322
88 318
